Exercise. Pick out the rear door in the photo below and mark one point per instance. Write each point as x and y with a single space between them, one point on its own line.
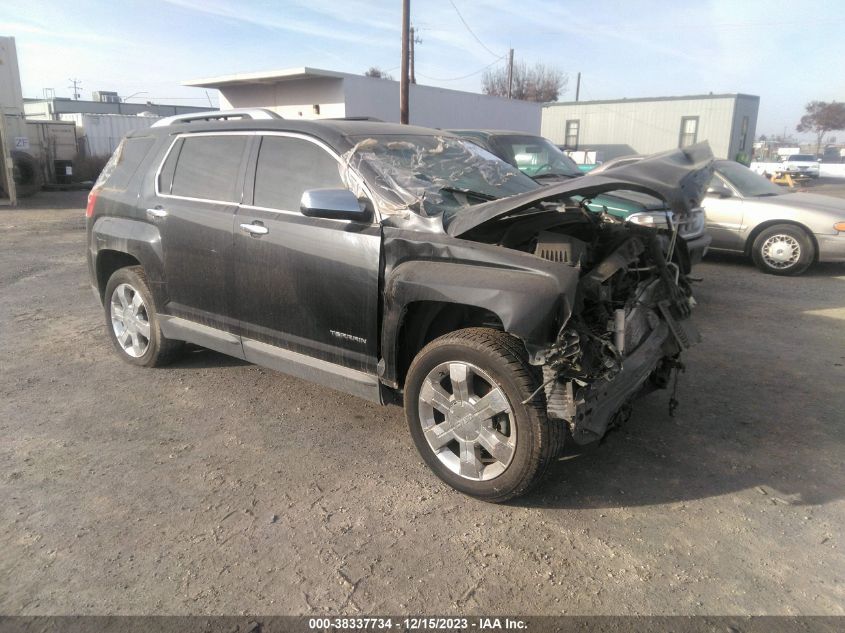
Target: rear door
198 188
307 285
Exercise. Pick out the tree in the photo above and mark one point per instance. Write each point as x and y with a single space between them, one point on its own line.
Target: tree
821 118
378 73
538 83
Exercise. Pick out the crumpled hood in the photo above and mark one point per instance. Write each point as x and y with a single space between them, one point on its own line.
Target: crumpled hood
679 177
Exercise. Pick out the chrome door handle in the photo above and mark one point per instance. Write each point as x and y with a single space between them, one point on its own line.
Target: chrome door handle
156 213
255 229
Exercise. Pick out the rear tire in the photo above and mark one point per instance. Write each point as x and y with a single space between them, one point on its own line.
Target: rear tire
27 174
463 402
132 320
783 249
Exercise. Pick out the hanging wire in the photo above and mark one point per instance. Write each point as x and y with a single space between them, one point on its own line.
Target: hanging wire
483 45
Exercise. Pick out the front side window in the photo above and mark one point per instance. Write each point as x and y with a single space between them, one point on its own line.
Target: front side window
208 167
289 166
689 131
748 183
573 127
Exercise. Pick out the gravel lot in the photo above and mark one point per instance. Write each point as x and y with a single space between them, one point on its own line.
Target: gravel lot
218 487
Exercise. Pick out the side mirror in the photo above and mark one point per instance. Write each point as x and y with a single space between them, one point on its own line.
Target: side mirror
719 190
333 204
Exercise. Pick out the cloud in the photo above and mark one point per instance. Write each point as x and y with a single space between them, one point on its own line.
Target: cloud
270 19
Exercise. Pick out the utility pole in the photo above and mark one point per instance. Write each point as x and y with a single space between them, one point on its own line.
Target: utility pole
411 41
578 87
403 71
75 87
510 72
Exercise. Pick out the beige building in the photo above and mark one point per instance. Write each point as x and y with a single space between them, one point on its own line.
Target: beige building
644 126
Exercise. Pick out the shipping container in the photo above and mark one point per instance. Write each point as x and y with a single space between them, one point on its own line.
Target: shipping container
100 134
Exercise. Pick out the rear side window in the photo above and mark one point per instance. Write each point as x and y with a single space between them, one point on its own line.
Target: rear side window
289 166
165 177
208 166
125 162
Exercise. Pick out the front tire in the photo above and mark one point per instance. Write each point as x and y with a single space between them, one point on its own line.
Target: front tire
783 249
132 320
463 402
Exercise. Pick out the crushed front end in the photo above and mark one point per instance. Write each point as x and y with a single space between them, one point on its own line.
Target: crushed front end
629 324
628 319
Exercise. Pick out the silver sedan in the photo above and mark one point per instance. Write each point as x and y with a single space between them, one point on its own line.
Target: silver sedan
783 232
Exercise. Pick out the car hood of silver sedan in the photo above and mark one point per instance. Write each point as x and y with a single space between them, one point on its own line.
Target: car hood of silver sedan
804 201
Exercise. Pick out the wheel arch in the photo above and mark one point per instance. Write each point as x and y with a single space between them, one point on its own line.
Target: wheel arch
108 262
749 242
528 304
425 320
115 241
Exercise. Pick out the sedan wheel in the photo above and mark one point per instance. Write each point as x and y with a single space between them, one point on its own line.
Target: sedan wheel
783 249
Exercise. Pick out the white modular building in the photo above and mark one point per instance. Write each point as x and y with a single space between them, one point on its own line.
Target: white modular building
645 126
312 93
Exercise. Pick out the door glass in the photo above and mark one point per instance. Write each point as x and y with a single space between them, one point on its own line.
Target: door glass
208 167
289 166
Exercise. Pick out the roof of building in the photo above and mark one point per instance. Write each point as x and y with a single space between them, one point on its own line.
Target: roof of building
271 76
731 95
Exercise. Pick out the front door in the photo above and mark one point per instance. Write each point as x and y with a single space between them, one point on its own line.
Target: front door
308 286
724 217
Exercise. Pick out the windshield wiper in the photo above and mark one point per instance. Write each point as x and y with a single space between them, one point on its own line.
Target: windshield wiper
469 192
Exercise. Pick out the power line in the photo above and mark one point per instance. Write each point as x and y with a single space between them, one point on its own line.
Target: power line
483 45
494 62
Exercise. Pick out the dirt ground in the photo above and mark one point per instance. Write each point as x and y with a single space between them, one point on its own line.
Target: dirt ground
217 487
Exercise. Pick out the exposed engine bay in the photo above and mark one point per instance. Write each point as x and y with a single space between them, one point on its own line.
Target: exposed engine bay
631 300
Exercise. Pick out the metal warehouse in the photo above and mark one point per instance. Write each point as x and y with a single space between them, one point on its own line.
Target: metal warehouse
644 126
311 93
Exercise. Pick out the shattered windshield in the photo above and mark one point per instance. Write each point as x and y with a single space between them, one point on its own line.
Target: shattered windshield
432 175
535 156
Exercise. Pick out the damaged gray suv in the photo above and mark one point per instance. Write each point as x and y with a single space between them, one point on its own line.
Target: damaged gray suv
403 265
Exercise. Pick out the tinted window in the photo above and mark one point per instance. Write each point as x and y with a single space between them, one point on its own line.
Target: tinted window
803 157
289 166
208 167
125 162
165 178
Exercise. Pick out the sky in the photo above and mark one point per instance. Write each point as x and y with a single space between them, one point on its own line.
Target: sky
623 48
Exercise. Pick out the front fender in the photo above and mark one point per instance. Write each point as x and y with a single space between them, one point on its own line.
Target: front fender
531 296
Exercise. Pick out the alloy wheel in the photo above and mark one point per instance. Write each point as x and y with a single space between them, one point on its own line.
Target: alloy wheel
467 420
130 320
